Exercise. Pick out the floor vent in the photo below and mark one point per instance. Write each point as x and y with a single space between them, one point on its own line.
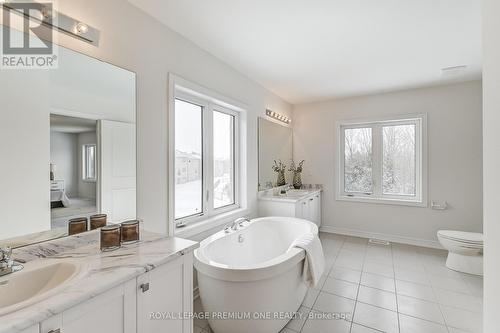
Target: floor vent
379 241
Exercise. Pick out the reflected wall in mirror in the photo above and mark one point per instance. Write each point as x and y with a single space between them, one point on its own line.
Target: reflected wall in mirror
67 141
275 143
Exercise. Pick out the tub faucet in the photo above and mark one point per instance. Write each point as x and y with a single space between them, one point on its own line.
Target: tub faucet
238 222
7 264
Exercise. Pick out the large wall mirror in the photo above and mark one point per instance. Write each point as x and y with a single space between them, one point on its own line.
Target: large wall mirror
68 147
275 144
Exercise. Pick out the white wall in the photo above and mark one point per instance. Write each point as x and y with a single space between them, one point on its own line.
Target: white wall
64 154
85 189
133 40
455 160
491 151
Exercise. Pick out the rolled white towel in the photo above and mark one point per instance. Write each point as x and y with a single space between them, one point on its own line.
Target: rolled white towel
314 262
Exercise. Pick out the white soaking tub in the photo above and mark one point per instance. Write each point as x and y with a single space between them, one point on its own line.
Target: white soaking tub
250 280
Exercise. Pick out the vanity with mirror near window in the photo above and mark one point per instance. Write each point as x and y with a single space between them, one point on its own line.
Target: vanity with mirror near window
69 136
276 144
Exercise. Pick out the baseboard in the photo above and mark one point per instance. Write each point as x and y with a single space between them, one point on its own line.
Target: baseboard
196 293
391 238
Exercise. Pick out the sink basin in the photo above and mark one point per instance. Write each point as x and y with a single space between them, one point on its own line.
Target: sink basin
37 281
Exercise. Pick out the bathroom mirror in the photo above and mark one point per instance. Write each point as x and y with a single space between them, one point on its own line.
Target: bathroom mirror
68 146
275 143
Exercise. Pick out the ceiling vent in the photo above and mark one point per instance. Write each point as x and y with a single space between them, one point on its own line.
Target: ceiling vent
453 70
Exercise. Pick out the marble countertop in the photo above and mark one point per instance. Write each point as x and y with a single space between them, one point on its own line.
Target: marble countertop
104 270
268 195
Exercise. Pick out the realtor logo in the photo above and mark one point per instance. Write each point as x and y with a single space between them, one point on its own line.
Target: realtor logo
31 48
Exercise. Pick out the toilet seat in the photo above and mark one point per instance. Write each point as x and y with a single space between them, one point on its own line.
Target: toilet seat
472 239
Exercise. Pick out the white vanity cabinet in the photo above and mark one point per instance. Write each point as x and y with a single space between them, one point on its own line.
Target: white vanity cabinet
166 290
127 308
307 207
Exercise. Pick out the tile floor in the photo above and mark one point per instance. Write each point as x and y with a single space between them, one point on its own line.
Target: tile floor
396 288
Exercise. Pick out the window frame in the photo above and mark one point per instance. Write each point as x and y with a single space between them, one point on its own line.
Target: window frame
208 210
85 147
377 195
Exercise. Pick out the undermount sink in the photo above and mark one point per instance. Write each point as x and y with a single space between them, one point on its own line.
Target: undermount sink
37 281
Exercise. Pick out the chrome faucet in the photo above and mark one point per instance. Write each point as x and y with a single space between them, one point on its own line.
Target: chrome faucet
238 223
7 264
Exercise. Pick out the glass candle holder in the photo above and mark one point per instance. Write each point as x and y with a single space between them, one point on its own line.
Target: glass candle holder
77 225
130 231
110 237
98 221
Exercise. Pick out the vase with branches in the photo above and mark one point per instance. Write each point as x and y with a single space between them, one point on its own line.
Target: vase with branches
297 174
279 167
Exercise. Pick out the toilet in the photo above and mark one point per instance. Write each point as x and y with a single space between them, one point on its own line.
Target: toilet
465 250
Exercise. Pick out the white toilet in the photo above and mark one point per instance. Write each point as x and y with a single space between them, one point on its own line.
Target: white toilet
465 250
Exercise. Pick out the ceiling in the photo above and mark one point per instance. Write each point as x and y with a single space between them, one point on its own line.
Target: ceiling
320 49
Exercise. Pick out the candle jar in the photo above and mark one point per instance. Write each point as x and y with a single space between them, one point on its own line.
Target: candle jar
130 231
77 225
98 221
110 237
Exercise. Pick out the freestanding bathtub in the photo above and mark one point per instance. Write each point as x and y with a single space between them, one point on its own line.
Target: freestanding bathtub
250 280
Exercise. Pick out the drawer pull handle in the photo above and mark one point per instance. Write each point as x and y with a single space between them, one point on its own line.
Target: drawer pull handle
144 287
55 331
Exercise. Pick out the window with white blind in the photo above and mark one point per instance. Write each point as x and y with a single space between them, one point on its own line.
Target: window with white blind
383 161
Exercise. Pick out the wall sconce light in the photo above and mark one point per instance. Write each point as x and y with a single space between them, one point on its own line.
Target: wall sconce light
277 116
51 18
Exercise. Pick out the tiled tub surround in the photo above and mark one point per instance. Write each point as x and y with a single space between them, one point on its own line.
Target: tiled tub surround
105 270
395 288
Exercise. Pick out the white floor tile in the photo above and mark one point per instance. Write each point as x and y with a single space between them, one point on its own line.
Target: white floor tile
310 298
415 290
346 274
409 324
377 318
356 264
326 326
356 328
459 300
448 283
334 304
411 275
341 288
378 268
462 319
378 281
420 309
301 317
377 297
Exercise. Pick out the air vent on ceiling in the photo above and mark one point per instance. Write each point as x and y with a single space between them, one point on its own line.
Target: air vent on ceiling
453 70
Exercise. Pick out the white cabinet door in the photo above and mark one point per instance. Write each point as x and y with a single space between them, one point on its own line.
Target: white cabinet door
303 209
112 312
163 294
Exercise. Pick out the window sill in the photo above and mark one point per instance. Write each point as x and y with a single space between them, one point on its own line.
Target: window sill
209 223
383 201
